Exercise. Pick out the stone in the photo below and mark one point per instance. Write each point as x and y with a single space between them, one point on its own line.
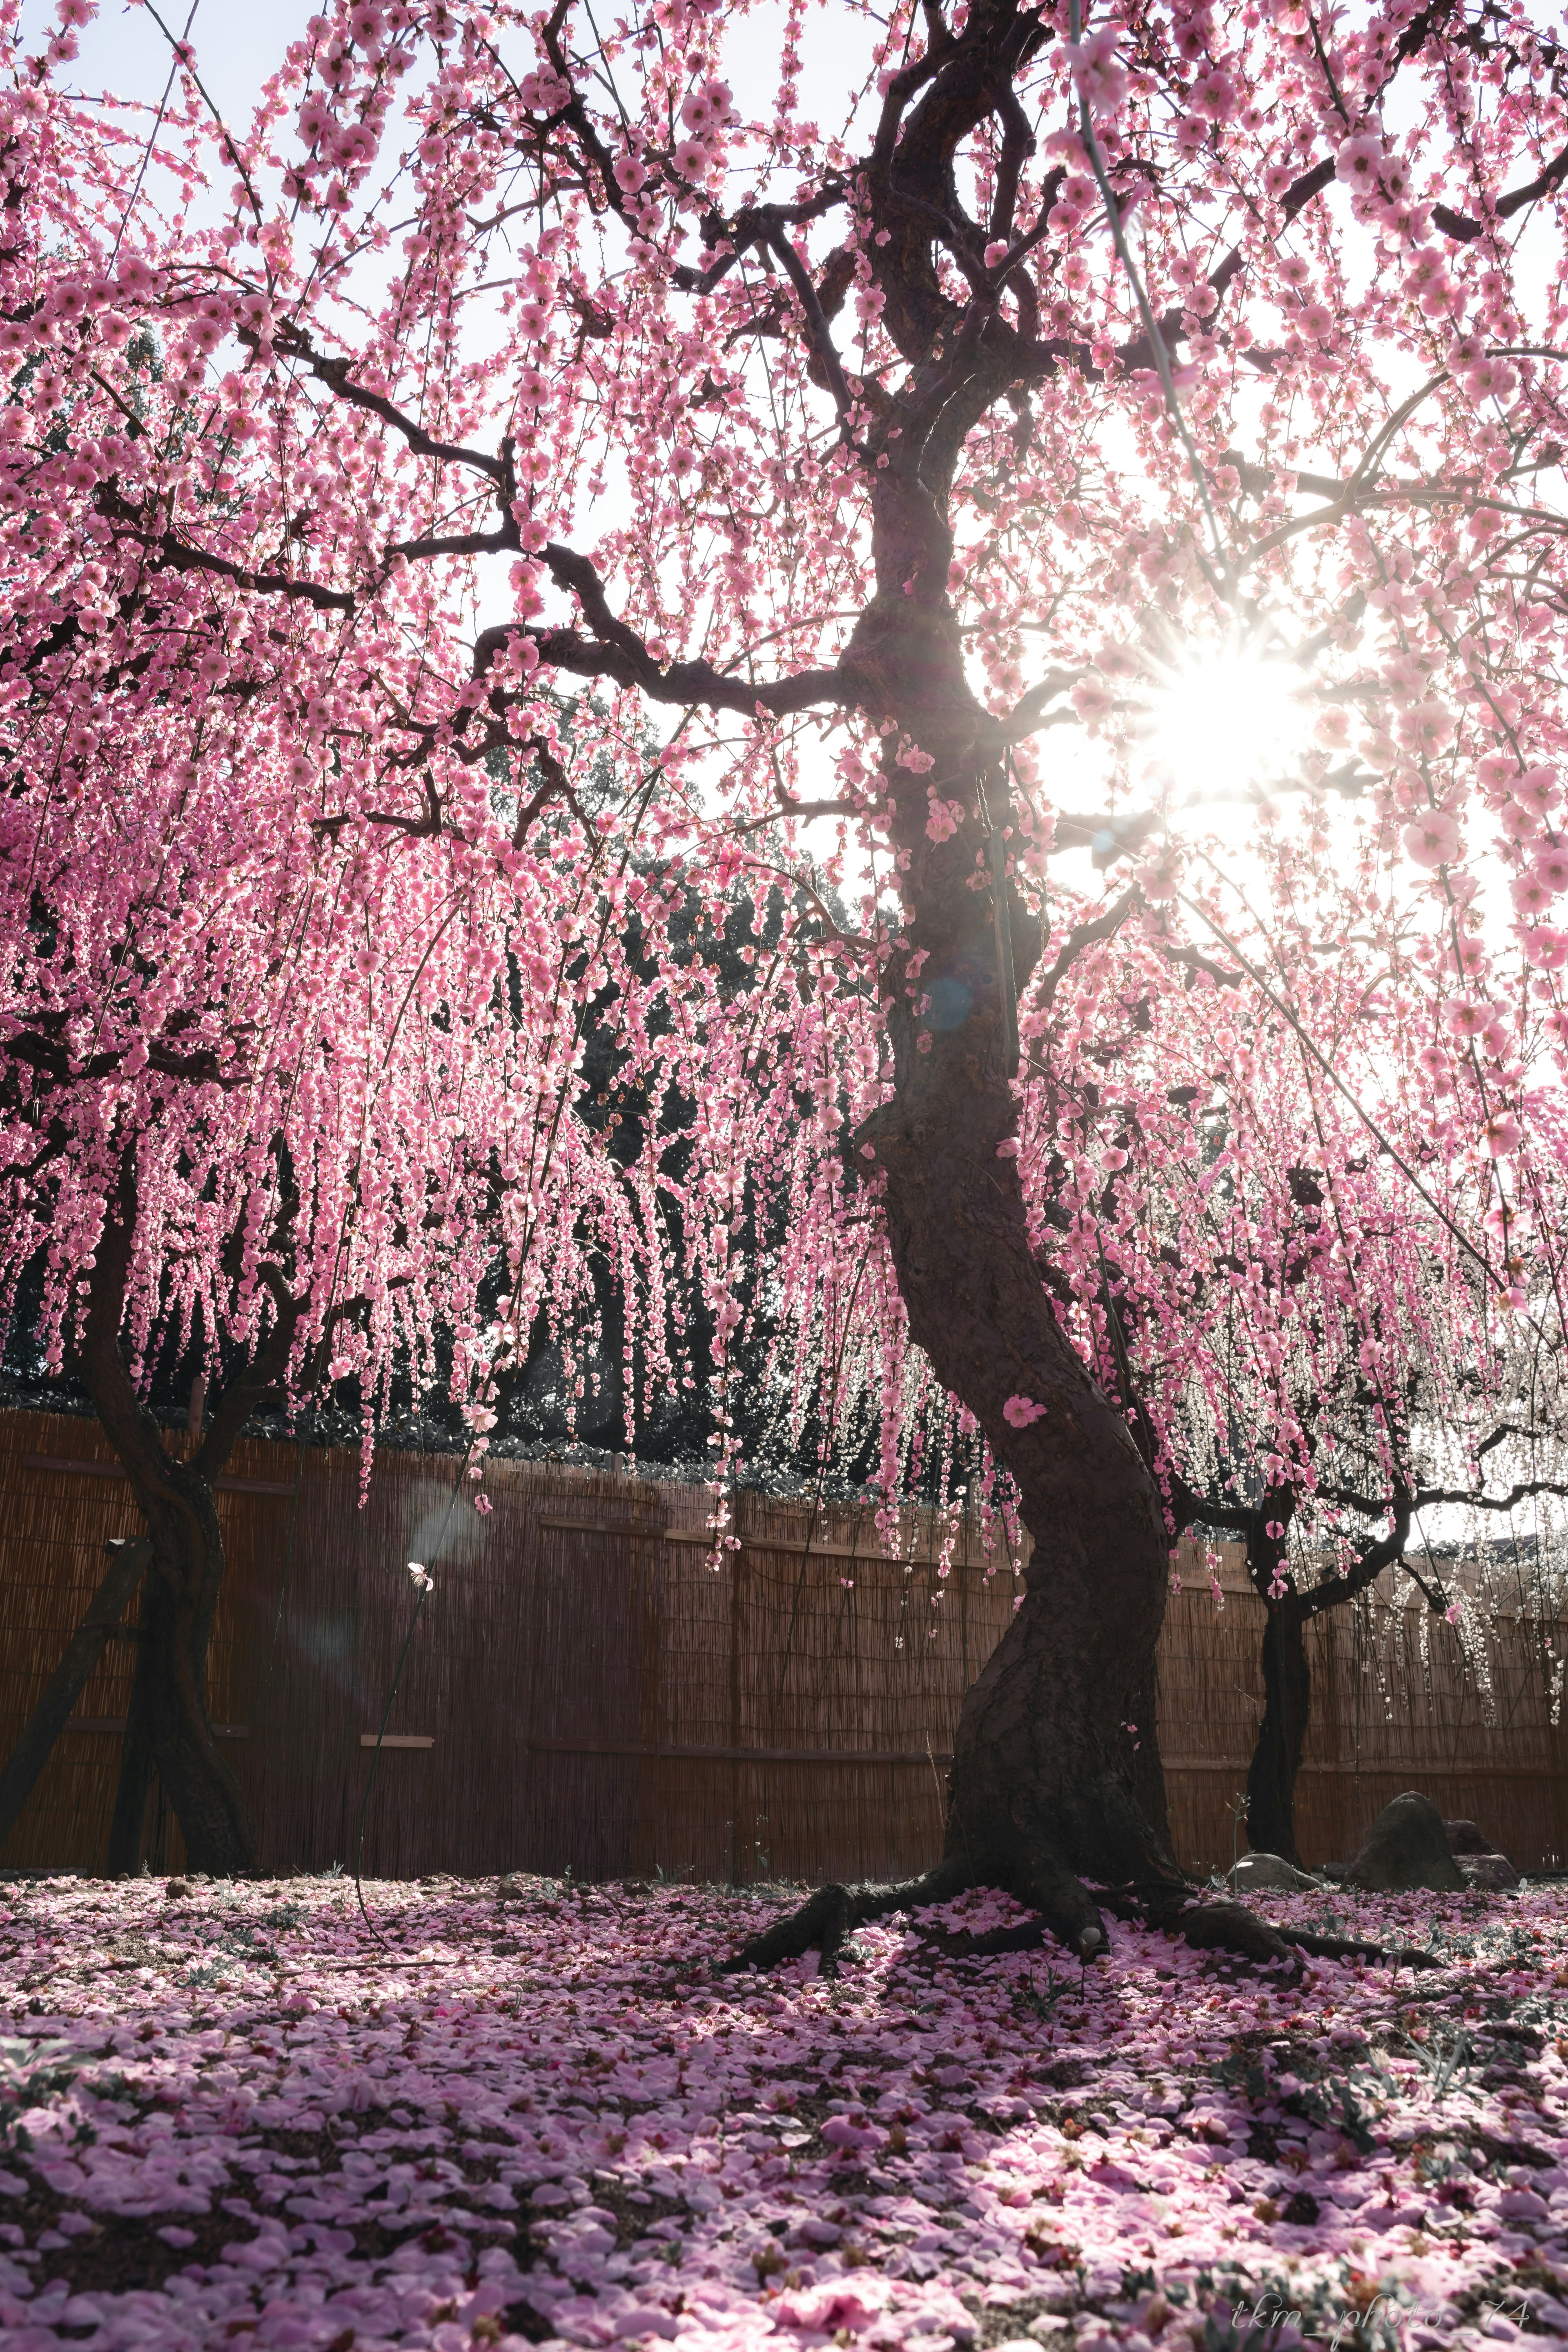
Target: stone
1492 1872
1267 1872
1466 1837
1407 1847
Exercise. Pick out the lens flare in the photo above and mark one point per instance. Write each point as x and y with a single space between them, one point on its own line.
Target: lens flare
1225 724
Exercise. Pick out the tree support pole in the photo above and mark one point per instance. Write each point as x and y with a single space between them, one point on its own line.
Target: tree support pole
128 1564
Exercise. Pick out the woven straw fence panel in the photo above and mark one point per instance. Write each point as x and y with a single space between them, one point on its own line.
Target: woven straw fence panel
1396 1703
584 1690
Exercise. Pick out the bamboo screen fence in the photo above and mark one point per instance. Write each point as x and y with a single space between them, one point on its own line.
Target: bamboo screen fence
583 1690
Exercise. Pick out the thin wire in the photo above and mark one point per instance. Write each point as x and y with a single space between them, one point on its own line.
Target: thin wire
152 140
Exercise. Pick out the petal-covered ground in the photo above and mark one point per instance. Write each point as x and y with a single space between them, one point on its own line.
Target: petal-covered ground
229 2116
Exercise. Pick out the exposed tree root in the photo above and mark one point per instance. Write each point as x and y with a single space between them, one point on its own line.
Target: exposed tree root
1065 1908
1352 1947
826 1918
1026 1938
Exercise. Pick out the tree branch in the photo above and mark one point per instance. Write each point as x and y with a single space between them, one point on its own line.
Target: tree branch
1336 1590
175 554
1084 936
47 1056
1464 229
333 372
818 332
617 652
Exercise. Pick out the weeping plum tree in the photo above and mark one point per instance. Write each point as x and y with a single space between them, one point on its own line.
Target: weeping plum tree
1052 482
1281 1270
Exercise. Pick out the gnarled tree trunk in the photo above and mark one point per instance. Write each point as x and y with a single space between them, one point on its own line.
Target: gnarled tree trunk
168 1731
1042 1790
1287 1677
168 1728
1041 1795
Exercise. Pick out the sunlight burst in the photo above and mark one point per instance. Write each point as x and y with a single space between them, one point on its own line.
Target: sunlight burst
1225 723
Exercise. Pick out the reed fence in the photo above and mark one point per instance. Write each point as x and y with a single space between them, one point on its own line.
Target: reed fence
584 1690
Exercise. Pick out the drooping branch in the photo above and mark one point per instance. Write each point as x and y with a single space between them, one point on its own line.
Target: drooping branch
819 333
1464 229
1084 936
1333 1591
334 371
171 553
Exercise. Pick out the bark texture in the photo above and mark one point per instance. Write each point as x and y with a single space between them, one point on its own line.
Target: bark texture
1042 1790
1277 1758
169 1731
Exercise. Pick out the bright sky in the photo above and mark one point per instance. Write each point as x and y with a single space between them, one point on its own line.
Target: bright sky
236 47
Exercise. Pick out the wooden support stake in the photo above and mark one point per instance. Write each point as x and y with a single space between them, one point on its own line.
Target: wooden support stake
128 1564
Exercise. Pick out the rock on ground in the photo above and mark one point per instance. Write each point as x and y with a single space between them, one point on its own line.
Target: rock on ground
1466 1837
1271 1870
1407 1847
1493 1872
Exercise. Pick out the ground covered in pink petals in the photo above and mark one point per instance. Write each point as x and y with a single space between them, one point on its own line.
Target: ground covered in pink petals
229 2116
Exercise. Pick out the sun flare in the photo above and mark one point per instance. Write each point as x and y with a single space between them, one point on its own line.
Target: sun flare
1225 723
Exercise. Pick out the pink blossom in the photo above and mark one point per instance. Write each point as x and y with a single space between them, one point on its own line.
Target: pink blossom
1098 79
1432 839
1359 159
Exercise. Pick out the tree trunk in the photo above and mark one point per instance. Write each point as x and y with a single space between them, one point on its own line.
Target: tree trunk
1042 1792
168 1728
128 1566
1277 1758
128 1823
